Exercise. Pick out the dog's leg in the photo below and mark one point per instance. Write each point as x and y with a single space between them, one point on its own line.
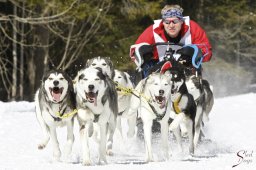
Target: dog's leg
164 135
134 105
147 125
102 143
84 136
111 131
70 137
55 143
131 125
198 121
177 134
190 125
44 127
177 121
118 126
183 129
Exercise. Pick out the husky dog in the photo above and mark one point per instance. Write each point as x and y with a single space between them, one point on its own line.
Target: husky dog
184 108
203 96
152 100
104 63
123 81
97 110
55 106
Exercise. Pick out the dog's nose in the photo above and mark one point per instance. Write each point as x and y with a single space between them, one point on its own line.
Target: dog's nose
55 83
91 87
161 92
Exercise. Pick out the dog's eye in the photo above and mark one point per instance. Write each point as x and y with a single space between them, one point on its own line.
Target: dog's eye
50 78
156 84
119 77
61 78
97 79
85 79
104 64
93 64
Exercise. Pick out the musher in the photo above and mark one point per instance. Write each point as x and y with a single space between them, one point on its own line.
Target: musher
173 28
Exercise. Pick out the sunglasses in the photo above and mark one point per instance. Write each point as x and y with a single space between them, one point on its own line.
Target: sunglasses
175 21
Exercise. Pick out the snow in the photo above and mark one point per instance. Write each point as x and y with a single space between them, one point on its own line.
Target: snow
230 140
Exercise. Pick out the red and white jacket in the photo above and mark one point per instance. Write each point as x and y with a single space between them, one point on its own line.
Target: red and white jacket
191 33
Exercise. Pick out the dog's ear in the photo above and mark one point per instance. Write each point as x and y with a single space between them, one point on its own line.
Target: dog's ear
109 62
88 63
128 80
70 89
50 66
150 78
140 85
111 66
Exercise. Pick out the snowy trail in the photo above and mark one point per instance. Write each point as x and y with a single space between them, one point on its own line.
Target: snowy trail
231 130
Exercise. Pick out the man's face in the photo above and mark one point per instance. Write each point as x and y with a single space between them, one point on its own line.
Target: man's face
172 26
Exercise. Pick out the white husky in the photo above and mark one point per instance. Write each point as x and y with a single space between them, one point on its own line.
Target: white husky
55 106
104 63
123 85
97 110
153 103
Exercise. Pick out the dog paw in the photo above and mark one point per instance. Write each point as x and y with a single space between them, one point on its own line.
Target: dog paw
41 146
166 156
109 152
86 163
56 158
56 155
102 161
149 160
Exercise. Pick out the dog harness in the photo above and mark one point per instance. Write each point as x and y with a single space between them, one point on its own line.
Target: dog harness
175 105
158 116
67 114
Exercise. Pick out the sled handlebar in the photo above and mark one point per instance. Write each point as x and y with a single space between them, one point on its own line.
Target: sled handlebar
168 43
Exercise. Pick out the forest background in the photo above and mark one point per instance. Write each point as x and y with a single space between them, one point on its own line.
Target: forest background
38 34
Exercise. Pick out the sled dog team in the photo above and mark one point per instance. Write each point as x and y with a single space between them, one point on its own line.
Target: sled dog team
99 97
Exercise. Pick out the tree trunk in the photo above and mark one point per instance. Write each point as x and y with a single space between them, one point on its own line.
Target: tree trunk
22 57
14 53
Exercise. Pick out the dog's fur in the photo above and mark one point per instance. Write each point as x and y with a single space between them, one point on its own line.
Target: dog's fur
122 80
55 95
152 100
104 63
203 96
184 108
97 110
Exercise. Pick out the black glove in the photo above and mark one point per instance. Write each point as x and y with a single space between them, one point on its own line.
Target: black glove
146 51
186 54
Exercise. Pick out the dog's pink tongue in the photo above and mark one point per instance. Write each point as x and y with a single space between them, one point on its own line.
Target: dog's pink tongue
163 104
56 96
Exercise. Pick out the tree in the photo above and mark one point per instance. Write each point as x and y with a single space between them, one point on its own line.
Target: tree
68 25
235 22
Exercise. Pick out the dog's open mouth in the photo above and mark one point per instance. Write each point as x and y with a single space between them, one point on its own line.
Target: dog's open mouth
91 96
56 93
160 100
